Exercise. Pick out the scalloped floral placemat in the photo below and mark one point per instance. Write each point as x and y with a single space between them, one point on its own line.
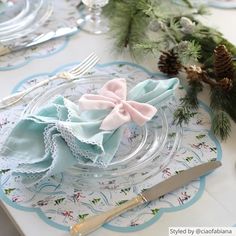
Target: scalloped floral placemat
61 205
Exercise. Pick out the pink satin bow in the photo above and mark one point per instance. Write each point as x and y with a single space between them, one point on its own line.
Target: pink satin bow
113 96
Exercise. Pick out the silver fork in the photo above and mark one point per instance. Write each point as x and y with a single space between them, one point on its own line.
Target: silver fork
72 74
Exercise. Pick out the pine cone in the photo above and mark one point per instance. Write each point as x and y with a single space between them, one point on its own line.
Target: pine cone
194 73
226 84
169 63
224 67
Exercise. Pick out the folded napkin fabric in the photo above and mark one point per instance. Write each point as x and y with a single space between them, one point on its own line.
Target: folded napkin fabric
63 133
113 96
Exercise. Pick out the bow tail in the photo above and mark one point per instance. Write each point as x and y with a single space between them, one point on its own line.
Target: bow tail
140 113
115 119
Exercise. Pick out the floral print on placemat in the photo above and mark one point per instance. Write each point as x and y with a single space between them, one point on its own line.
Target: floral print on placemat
61 205
22 57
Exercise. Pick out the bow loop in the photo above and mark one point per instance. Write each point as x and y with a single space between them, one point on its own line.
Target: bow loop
115 88
113 96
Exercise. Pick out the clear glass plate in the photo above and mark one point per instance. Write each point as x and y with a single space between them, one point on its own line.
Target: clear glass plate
18 18
143 151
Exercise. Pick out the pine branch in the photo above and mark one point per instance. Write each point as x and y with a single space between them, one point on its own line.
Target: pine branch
183 115
195 87
202 10
209 39
147 47
137 31
188 3
128 25
176 27
221 125
110 8
224 100
212 82
207 45
223 105
149 8
189 104
172 30
189 52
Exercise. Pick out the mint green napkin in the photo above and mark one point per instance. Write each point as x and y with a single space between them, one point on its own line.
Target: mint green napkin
60 135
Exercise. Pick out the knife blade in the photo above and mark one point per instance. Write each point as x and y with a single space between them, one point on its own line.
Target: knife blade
65 31
184 177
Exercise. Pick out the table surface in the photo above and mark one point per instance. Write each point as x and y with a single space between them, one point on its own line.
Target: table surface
216 206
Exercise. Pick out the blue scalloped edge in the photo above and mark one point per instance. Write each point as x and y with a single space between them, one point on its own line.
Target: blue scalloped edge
222 5
162 211
213 3
61 48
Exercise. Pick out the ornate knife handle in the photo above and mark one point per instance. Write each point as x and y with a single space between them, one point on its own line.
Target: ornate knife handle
94 222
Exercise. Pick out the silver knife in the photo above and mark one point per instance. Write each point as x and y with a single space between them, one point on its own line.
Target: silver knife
184 177
4 49
51 35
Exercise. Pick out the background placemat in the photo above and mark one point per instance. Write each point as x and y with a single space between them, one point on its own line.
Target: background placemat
60 205
65 13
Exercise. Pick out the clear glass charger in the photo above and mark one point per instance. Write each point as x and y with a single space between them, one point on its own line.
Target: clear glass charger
18 18
143 151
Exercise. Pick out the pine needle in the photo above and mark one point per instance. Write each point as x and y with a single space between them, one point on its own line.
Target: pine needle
221 125
148 47
191 52
128 25
202 10
224 100
183 115
188 3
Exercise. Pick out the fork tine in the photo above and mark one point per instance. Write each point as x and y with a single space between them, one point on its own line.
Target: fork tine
86 67
83 63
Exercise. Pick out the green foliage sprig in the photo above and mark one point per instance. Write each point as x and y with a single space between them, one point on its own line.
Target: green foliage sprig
170 24
133 23
154 26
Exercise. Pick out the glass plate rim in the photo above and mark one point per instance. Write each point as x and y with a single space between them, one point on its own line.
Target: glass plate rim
43 13
107 172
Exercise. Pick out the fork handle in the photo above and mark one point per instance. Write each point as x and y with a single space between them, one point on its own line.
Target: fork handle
94 222
12 99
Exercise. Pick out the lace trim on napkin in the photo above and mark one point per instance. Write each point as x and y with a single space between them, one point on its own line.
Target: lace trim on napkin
72 142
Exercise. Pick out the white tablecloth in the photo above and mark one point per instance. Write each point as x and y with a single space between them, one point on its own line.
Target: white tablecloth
216 206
